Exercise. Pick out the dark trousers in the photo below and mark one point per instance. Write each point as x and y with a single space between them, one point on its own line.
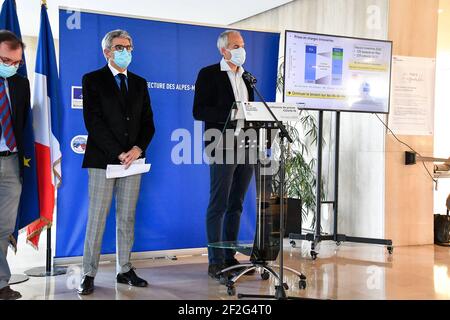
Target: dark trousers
228 186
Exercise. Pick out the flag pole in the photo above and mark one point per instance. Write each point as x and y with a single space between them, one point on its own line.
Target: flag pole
48 263
49 270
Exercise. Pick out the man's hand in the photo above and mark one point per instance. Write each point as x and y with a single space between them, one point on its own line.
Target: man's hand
131 156
121 157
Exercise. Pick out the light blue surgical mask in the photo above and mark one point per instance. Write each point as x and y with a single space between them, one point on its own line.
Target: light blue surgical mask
122 58
7 71
237 56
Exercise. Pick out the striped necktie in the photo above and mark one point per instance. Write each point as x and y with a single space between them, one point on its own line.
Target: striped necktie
5 117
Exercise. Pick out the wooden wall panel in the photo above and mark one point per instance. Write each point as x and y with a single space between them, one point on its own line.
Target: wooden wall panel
408 189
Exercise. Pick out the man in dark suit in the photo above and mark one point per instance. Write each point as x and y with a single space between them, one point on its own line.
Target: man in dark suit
218 86
119 121
14 109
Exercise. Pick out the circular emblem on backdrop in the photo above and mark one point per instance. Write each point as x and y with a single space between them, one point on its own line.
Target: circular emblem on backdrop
78 144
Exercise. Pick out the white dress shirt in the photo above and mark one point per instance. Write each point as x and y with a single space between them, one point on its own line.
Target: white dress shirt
237 82
115 72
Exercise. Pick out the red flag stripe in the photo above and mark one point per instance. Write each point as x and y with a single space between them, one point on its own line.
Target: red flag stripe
45 185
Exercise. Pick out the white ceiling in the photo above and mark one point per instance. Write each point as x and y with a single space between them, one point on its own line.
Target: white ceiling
218 12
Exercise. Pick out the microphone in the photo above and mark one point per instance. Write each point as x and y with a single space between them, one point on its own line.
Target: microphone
249 77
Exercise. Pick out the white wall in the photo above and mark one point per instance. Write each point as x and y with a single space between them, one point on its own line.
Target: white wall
441 108
361 198
30 55
200 11
441 128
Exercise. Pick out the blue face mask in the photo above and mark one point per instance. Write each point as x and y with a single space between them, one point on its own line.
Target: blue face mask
7 71
122 58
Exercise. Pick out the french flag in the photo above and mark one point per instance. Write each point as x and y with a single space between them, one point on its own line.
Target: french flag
46 106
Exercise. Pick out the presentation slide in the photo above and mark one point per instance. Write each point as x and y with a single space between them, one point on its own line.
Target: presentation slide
326 72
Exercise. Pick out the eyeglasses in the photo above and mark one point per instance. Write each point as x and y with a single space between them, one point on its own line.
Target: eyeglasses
10 62
120 48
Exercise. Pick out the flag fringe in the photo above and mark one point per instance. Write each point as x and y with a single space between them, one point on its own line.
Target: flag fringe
56 173
13 243
38 231
32 245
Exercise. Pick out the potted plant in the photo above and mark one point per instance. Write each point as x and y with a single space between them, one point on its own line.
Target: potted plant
300 175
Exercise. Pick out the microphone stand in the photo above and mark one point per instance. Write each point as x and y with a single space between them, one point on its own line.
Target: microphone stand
280 289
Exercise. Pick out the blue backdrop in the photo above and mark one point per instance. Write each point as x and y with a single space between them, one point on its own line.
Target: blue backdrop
173 198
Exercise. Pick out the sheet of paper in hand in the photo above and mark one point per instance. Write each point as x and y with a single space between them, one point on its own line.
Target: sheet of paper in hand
118 170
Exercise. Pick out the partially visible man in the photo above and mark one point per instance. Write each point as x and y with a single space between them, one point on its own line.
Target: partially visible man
14 108
217 87
119 121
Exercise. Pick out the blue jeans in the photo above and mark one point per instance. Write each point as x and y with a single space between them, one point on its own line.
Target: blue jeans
228 186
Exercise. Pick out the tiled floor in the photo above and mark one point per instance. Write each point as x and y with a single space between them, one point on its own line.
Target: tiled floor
347 272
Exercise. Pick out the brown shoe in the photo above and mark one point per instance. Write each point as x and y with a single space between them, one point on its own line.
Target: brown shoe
7 293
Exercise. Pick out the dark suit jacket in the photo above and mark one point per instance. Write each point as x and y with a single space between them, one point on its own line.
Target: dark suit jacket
214 97
115 124
19 93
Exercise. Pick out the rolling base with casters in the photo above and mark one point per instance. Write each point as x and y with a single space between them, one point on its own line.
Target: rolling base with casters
268 241
315 237
229 282
339 239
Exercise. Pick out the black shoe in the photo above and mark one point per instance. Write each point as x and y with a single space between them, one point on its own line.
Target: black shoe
86 286
234 262
7 293
131 279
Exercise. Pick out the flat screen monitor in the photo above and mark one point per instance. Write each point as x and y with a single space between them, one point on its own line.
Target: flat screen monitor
335 73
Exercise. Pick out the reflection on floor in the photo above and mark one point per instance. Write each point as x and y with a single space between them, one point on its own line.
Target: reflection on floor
347 272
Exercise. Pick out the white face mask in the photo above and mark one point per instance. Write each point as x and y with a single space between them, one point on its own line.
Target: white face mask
237 56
